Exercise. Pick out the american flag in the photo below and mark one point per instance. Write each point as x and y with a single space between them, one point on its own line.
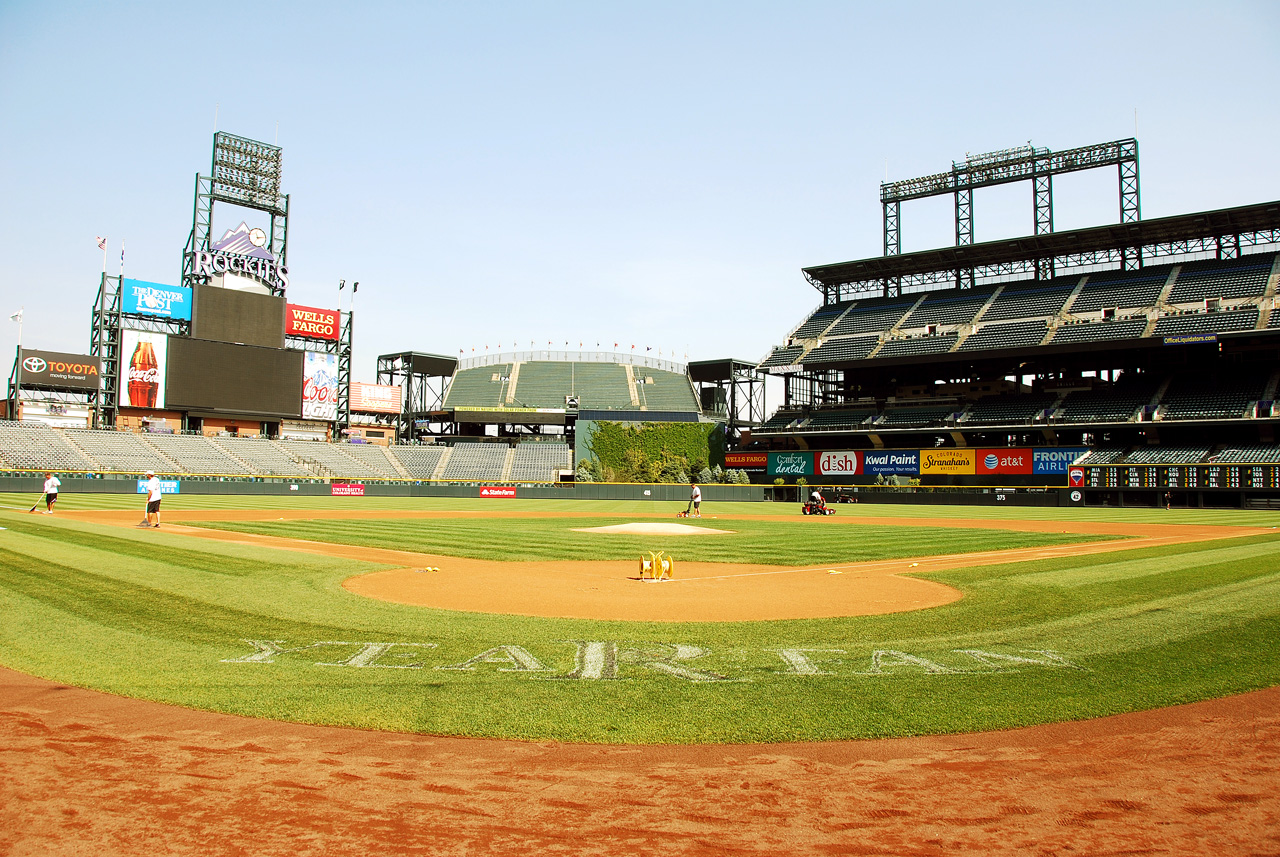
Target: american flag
102 243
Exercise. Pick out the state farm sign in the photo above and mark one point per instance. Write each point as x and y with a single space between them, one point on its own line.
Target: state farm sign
311 323
495 491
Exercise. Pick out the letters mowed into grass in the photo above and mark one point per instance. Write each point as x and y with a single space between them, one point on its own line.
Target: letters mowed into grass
271 633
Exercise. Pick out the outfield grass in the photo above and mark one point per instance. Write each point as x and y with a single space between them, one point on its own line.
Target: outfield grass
159 616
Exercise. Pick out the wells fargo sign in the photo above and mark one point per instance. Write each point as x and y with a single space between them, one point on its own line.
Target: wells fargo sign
310 322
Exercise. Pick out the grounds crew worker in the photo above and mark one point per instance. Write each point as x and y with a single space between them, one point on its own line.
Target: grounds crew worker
695 497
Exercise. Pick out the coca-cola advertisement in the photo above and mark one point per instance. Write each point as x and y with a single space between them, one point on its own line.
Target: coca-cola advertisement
142 371
320 386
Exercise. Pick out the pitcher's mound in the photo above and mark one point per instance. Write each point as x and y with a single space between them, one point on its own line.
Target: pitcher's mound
652 529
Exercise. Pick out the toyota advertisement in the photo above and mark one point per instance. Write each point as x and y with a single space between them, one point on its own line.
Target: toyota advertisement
1053 461
59 371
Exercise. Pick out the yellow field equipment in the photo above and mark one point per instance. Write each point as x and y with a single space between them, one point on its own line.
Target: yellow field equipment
657 567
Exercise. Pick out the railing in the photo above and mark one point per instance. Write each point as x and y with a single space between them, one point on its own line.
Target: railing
568 355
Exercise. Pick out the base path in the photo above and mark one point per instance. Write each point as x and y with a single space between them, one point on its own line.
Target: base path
700 592
83 772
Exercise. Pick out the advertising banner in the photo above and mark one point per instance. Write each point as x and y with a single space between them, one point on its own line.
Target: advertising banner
790 464
837 464
1055 459
374 398
892 462
311 322
746 460
992 461
138 297
496 491
167 486
142 375
320 386
346 489
947 462
1076 476
59 371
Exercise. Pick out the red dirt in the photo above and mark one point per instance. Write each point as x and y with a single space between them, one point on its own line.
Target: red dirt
85 772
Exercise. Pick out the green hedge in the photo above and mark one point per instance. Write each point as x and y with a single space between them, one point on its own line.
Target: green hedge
656 452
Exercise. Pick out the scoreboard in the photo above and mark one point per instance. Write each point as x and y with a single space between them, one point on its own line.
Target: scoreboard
1158 476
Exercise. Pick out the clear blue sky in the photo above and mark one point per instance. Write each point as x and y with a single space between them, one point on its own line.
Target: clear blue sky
648 173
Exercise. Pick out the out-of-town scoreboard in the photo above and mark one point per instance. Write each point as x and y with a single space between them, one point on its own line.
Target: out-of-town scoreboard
1175 476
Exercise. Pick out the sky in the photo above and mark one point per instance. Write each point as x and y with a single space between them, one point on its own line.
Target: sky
500 174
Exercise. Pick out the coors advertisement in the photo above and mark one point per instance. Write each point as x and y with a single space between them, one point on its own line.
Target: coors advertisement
142 376
320 386
59 371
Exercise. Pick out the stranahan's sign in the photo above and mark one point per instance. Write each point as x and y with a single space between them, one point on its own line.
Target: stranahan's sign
240 251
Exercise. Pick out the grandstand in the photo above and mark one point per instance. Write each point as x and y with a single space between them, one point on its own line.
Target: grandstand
1149 342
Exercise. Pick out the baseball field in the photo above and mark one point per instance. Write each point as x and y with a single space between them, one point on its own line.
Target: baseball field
527 620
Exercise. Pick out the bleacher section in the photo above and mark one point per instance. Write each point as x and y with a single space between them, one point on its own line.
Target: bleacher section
946 308
331 459
1167 455
1017 334
842 420
476 461
916 417
921 345
31 446
419 461
121 451
543 384
1099 331
479 387
372 456
1105 406
1222 398
1215 279
194 454
1009 410
1033 300
845 348
1248 454
538 462
1213 322
600 386
872 317
783 355
1120 289
665 391
820 320
262 456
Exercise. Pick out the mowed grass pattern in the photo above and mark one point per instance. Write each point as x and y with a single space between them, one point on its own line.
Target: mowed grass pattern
159 616
781 542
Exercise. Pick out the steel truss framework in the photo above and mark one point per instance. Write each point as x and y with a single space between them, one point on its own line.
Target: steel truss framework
1221 234
107 324
1025 163
424 379
246 173
736 390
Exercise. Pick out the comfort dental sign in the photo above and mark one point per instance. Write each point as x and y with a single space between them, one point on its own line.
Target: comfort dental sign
310 322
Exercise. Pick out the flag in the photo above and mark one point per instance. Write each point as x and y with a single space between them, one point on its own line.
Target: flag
342 284
355 287
122 257
17 316
648 348
102 243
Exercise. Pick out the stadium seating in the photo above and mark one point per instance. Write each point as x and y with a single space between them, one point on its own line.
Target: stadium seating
872 317
1017 334
1131 328
1211 322
121 451
843 348
32 446
1116 405
820 320
783 355
1216 279
1211 399
542 384
1103 455
195 454
664 391
1009 410
1257 454
1167 455
373 456
600 386
779 421
478 387
476 461
841 420
906 417
1121 289
1030 300
419 461
920 345
262 456
330 459
950 307
539 461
